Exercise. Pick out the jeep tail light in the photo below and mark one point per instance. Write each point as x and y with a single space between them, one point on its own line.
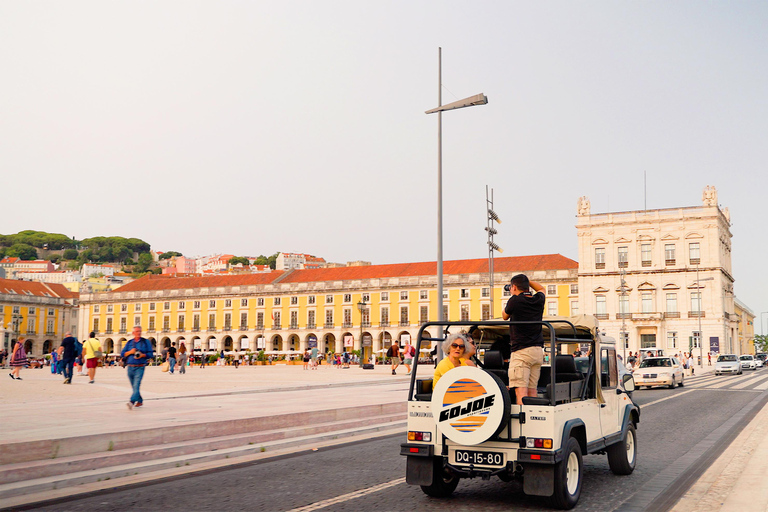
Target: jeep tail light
537 442
420 436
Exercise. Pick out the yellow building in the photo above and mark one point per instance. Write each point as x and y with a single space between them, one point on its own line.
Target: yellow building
331 308
38 313
746 328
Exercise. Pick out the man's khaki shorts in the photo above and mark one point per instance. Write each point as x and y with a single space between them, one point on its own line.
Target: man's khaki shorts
525 367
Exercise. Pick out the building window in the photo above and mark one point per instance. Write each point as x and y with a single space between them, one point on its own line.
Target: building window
227 303
166 323
552 308
151 326
445 313
404 315
311 319
646 302
623 307
647 341
347 317
328 318
196 322
384 296
123 308
227 321
311 299
260 301
403 295
294 301
137 307
574 307
95 309
645 255
109 309
695 339
182 304
196 304
243 320
136 320
384 316
212 304
599 257
672 305
243 303
180 324
31 310
486 311
601 308
366 297
347 297
96 325
485 292
574 289
276 301
672 339
152 306
123 326
276 320
623 257
260 320
551 289
212 321
365 317
166 306
694 253
696 302
423 314
506 292
294 319
464 293
109 326
669 254
465 312
51 311
329 299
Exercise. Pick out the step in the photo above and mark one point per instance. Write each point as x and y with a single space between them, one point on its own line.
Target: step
24 491
84 462
50 449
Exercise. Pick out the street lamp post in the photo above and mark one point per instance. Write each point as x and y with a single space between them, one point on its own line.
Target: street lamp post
361 308
700 334
491 216
478 99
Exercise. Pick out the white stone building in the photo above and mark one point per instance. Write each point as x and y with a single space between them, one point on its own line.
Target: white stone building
658 278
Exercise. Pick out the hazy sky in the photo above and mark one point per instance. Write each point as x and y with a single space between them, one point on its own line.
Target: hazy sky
255 127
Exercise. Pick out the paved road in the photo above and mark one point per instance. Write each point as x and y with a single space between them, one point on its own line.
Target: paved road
673 428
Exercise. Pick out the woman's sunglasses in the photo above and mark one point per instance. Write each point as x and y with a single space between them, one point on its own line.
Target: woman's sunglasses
456 345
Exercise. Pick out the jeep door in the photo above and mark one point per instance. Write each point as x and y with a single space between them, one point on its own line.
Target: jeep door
609 381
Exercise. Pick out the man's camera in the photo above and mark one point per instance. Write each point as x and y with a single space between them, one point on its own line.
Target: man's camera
508 288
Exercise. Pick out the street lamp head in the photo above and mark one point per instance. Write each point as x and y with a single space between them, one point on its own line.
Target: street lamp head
472 101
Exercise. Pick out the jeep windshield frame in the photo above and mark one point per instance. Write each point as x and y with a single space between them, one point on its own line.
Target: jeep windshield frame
555 331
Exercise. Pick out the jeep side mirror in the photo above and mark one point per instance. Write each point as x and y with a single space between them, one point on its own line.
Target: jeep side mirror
629 383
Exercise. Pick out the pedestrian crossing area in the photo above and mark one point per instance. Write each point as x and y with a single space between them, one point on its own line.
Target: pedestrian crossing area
748 381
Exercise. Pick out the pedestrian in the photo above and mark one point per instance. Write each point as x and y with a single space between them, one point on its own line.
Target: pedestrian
90 349
203 358
79 357
172 357
138 350
408 353
306 359
393 352
183 358
18 359
67 355
527 340
54 362
709 358
313 358
3 355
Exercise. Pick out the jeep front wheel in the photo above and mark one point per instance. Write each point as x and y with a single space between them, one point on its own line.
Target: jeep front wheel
622 456
568 473
443 481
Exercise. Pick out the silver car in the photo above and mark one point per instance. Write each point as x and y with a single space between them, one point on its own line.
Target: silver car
727 363
748 362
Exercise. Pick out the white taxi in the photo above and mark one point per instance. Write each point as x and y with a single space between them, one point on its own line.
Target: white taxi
659 371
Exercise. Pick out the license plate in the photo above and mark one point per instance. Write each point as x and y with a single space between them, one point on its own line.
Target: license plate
479 458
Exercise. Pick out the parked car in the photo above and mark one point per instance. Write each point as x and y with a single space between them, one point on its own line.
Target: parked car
759 362
659 371
727 363
761 357
748 362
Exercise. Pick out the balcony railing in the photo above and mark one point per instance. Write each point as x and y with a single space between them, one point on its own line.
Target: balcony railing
384 323
123 331
166 329
404 323
620 316
276 327
602 316
599 265
227 327
647 316
196 329
366 323
259 327
311 325
243 327
211 329
50 333
108 331
676 314
180 329
328 325
669 262
346 325
294 325
150 329
696 314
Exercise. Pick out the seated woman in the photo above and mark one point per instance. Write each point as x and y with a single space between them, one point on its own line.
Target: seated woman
458 348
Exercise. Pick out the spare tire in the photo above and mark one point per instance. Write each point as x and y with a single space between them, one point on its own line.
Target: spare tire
470 405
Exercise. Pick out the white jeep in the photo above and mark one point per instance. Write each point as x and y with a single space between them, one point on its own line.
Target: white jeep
469 425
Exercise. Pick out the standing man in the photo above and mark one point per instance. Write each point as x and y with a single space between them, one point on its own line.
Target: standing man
67 355
172 356
90 348
394 354
139 353
313 358
526 340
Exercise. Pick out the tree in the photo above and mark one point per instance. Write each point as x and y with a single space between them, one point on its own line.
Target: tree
239 259
169 254
761 342
54 258
145 261
272 261
73 265
69 254
23 251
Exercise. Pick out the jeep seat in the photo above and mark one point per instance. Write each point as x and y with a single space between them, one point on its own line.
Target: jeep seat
493 362
565 369
423 390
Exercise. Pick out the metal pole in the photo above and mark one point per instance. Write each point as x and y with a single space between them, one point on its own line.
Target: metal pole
701 337
489 204
440 316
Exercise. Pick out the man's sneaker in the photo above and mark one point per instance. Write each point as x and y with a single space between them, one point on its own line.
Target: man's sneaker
138 404
90 382
129 405
393 372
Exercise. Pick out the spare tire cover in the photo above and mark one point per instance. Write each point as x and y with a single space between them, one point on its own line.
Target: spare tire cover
470 405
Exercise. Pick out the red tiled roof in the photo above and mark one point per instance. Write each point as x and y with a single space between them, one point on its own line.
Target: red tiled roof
509 264
9 259
35 288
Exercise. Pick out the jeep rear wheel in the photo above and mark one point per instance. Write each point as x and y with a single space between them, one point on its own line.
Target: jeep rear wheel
443 481
568 474
623 455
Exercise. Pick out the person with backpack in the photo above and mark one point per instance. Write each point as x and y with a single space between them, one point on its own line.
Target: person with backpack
67 355
408 352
